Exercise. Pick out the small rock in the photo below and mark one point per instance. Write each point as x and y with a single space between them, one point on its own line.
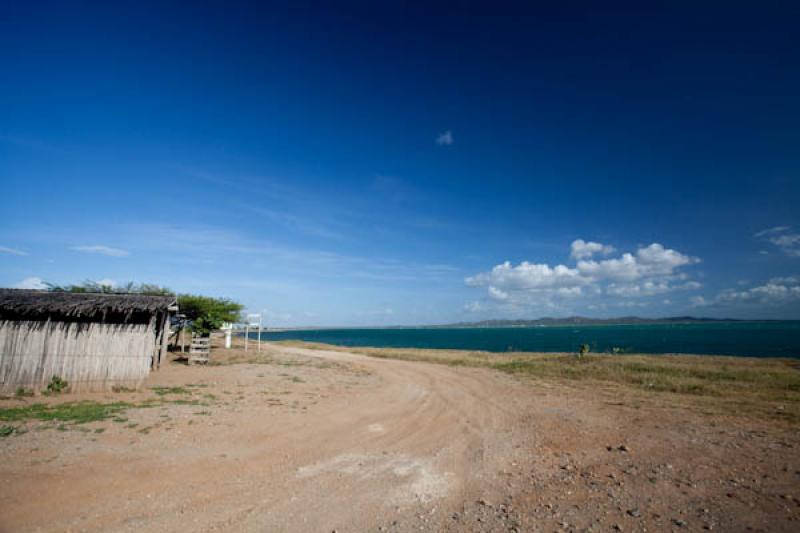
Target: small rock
678 522
623 448
636 513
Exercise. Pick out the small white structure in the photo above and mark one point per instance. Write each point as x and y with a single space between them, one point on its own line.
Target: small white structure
227 329
253 323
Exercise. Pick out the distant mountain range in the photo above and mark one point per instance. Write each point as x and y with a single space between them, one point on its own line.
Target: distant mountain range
582 321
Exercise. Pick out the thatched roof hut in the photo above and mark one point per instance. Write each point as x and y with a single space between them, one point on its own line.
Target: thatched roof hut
93 341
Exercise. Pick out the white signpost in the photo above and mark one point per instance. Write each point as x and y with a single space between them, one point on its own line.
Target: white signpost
227 329
253 322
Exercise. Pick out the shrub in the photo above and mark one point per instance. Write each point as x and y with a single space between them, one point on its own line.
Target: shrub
57 385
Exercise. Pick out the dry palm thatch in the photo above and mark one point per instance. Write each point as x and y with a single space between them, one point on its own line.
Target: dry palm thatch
20 304
93 341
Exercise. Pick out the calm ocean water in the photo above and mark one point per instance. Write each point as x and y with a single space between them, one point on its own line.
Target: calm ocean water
758 339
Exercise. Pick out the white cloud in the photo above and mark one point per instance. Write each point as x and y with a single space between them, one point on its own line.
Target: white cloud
584 250
649 288
771 231
527 276
788 280
31 283
698 301
497 294
788 243
445 139
473 307
100 249
11 251
105 282
650 271
775 291
651 261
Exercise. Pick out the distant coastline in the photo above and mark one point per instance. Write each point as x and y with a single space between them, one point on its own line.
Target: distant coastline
547 321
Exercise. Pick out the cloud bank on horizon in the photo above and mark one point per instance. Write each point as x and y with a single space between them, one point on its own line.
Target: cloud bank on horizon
626 281
650 271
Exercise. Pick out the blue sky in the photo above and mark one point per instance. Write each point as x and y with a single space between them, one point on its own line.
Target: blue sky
378 164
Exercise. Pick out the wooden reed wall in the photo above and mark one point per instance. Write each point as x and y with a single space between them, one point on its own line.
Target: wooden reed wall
89 356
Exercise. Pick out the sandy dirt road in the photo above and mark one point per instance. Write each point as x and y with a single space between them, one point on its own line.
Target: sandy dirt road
322 441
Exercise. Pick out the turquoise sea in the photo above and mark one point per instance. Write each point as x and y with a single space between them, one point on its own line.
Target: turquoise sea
758 339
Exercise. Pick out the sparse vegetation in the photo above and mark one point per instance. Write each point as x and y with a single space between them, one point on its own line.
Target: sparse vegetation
22 392
734 385
163 391
72 412
57 385
583 350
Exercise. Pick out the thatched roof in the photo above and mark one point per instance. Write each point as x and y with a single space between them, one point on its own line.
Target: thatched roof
22 304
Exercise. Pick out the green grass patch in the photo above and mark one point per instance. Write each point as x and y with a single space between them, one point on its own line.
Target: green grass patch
187 402
163 391
72 412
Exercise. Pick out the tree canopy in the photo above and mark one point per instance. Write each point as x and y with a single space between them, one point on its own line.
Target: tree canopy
208 314
89 286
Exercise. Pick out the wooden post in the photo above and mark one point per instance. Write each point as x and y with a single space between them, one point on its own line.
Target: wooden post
156 344
163 339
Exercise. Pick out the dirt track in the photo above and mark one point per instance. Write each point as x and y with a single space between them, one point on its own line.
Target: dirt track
331 441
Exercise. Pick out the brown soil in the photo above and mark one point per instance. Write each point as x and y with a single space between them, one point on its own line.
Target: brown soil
320 441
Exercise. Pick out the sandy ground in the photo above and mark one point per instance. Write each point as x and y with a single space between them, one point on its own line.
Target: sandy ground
324 441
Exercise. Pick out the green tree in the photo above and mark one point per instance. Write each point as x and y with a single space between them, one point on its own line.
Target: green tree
208 314
89 286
